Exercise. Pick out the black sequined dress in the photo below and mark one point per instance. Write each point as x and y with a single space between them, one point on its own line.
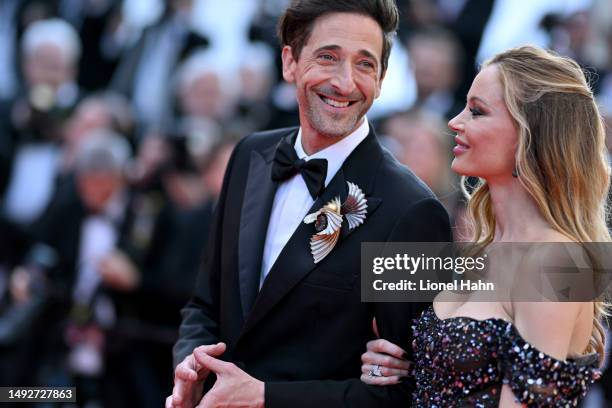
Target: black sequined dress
463 362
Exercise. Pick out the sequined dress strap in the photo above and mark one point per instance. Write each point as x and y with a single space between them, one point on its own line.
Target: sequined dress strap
539 380
463 362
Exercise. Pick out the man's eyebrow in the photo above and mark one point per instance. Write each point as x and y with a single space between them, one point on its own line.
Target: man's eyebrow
331 47
335 47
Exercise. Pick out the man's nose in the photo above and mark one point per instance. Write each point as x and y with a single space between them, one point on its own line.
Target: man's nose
343 80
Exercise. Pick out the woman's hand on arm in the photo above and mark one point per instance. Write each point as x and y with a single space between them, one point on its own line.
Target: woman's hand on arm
390 360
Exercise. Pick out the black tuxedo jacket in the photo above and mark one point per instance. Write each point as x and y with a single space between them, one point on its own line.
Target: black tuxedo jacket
303 333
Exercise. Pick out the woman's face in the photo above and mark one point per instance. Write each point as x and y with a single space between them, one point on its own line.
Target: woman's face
486 136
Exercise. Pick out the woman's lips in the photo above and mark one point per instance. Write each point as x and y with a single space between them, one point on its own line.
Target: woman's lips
461 146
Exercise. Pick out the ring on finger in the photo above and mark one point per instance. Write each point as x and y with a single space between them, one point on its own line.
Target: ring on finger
375 371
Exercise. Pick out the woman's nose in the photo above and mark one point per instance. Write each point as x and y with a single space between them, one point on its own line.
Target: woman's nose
456 124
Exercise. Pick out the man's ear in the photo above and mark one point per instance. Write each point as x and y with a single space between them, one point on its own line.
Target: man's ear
289 64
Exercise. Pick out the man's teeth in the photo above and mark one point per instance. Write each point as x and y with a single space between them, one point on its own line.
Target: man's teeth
334 103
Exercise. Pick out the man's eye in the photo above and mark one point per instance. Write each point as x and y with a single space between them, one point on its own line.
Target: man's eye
326 57
366 64
475 112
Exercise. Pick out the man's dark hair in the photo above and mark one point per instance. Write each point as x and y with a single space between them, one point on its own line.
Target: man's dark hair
295 25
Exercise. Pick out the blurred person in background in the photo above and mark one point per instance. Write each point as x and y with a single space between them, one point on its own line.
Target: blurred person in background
436 58
257 78
145 68
31 128
466 19
168 255
84 226
424 147
95 21
572 35
213 169
79 232
102 110
98 25
30 136
419 139
168 269
33 121
15 17
600 44
518 22
205 90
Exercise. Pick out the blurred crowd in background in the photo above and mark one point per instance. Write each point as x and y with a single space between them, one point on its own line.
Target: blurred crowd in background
117 120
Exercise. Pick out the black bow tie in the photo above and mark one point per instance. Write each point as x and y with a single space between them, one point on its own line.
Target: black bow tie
287 164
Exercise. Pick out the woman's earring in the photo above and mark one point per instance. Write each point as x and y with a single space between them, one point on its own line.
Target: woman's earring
515 173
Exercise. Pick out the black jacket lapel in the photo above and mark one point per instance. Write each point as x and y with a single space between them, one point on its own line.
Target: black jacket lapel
295 260
254 215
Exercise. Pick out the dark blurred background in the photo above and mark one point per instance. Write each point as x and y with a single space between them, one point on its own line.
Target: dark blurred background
117 119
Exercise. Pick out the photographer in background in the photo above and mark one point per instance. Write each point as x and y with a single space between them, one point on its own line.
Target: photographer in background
30 126
56 292
33 120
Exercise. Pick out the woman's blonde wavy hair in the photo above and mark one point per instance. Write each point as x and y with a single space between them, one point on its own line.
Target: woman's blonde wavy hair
561 157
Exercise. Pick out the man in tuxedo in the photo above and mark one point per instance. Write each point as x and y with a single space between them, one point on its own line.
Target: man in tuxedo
276 328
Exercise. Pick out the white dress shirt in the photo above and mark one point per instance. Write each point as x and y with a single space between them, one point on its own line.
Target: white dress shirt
32 181
292 200
99 236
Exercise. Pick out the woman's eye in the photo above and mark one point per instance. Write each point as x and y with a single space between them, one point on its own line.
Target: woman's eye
475 112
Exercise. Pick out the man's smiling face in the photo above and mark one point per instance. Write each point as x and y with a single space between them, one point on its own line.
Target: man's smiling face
337 74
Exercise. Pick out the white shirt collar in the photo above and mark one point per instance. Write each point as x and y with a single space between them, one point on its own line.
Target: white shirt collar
337 153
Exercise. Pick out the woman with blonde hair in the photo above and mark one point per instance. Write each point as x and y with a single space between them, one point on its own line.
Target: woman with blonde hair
532 134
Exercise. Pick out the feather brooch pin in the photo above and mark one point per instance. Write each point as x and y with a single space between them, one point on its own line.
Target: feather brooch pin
328 220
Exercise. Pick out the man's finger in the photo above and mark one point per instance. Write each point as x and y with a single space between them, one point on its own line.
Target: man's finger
386 347
178 393
213 364
214 350
190 371
181 392
184 372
